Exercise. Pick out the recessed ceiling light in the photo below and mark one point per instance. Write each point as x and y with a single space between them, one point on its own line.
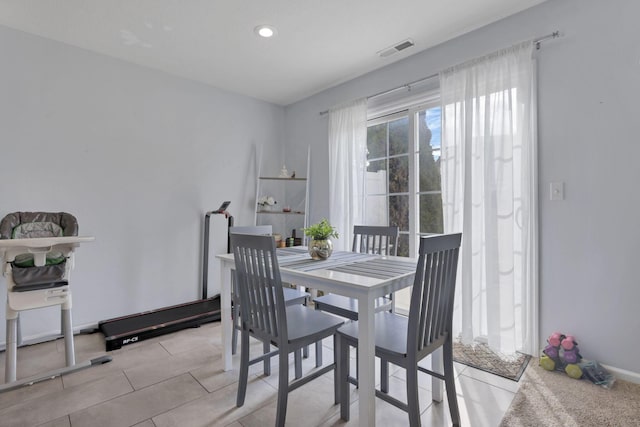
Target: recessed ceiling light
265 31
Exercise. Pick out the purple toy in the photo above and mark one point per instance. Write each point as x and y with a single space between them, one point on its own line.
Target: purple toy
551 351
570 352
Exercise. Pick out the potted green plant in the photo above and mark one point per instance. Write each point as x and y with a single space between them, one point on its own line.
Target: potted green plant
320 246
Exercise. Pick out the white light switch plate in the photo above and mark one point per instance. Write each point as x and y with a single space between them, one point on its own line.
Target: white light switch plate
556 191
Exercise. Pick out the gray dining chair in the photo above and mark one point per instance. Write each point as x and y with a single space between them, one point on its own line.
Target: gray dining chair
405 341
382 240
291 297
265 316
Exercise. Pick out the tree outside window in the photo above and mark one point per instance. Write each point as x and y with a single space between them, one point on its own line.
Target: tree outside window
403 175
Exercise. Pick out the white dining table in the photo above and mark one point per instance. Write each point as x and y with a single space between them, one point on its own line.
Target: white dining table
361 276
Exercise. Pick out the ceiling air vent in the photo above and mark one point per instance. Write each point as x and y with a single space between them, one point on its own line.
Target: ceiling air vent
396 48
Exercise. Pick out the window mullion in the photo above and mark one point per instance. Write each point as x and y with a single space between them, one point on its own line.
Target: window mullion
387 171
414 217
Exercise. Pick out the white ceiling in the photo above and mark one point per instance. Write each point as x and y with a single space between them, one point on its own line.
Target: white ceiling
319 43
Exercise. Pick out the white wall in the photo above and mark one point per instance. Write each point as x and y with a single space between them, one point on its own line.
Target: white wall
589 84
138 156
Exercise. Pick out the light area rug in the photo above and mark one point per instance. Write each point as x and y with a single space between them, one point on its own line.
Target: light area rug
549 399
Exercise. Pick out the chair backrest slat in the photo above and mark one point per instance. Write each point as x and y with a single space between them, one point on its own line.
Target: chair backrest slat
371 239
437 283
259 286
431 309
263 230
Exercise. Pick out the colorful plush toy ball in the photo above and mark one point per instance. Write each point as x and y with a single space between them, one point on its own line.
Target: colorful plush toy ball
568 343
551 351
571 356
547 363
562 354
573 371
555 339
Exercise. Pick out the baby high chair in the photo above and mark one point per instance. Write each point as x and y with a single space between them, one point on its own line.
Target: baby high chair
37 252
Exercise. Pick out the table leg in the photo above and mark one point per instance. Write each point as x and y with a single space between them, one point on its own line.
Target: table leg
366 362
225 308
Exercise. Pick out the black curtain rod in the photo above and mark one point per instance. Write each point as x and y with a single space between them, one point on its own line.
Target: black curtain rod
539 40
407 86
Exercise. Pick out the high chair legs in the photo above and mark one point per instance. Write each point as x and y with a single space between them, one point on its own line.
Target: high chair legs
13 340
11 351
67 331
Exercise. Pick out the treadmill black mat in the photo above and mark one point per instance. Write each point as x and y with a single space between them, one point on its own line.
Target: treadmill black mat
161 317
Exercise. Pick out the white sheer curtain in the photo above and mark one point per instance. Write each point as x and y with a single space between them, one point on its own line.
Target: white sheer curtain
347 162
489 192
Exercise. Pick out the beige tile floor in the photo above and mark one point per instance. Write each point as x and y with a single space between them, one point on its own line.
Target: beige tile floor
177 380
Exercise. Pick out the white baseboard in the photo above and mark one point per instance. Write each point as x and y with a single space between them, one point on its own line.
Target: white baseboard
623 374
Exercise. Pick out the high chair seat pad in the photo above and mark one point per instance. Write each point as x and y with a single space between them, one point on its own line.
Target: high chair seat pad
30 230
17 222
